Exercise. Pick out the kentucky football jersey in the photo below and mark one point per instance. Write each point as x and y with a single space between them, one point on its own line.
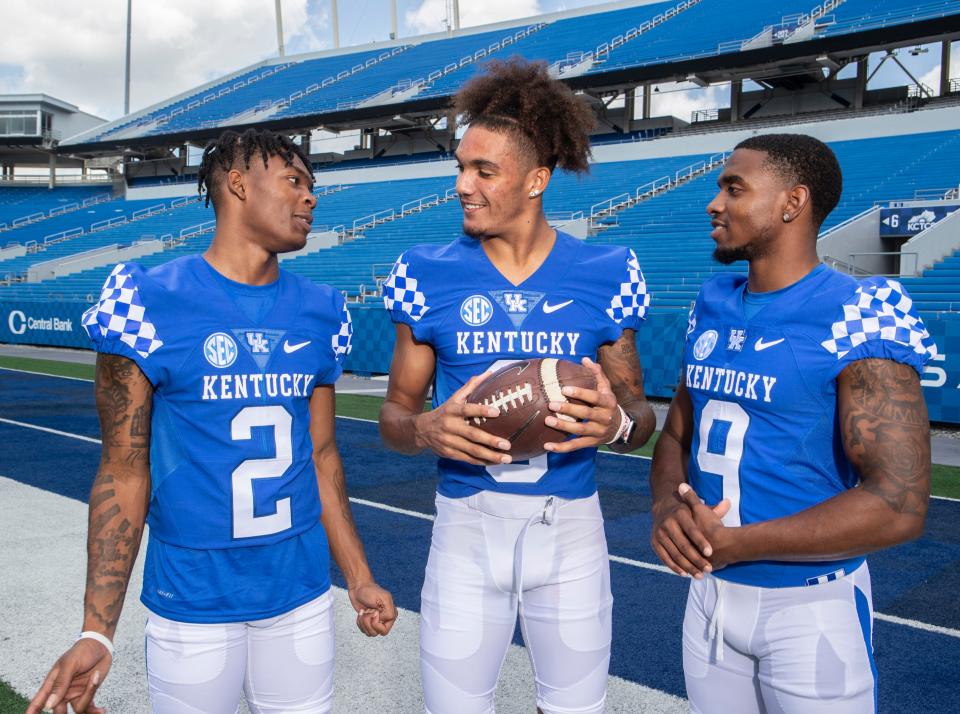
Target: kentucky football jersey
234 514
455 299
764 395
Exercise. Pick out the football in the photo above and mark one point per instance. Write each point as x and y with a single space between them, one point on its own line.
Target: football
521 391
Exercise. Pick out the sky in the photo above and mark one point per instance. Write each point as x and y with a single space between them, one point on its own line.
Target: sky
74 49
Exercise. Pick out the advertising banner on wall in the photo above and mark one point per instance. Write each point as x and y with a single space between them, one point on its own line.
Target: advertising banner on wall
659 343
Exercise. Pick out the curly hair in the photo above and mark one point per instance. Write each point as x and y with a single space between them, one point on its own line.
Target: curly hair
806 161
548 121
230 147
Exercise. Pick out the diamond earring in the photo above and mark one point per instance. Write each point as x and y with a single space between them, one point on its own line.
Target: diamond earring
786 217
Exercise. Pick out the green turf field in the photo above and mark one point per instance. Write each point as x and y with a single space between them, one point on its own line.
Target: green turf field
10 701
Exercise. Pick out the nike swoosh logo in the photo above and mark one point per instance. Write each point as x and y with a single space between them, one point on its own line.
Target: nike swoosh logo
761 345
548 308
290 349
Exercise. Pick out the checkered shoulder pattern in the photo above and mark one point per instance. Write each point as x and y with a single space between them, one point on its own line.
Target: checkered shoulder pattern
342 340
880 310
632 299
691 320
120 314
401 293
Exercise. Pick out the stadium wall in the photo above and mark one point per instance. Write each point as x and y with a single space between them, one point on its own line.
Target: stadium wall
659 343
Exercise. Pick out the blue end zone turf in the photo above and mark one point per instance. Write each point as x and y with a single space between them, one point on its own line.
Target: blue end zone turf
916 581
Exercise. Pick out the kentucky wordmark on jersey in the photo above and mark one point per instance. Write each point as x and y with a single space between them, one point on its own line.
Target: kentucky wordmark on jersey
581 297
233 487
764 397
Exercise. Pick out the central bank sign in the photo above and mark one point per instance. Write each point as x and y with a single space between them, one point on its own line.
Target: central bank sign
19 323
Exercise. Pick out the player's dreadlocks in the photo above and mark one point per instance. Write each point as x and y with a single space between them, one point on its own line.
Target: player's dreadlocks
548 121
232 148
801 159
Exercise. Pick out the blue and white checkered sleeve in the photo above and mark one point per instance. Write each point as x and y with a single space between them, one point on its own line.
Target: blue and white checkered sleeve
880 321
118 323
628 306
342 340
402 296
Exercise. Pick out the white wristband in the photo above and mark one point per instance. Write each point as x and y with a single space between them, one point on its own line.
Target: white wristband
624 425
101 638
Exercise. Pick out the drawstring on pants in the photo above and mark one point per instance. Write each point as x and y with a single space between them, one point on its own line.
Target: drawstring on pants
547 517
716 620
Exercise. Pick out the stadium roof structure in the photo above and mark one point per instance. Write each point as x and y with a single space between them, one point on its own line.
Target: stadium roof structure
604 50
31 126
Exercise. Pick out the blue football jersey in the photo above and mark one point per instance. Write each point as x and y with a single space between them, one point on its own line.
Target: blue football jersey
234 513
764 394
452 297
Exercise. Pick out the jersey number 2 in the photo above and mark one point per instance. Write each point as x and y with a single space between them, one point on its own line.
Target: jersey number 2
725 463
245 523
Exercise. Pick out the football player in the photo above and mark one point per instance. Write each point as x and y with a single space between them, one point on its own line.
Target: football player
513 535
800 422
214 375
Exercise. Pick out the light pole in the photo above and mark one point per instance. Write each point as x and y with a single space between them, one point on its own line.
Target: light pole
279 27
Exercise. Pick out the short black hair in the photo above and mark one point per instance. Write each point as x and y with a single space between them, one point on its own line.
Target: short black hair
230 147
803 160
520 98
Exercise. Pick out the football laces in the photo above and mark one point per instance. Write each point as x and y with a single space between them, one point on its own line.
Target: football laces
507 400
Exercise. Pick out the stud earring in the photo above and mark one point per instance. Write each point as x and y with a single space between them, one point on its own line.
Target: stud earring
534 193
786 217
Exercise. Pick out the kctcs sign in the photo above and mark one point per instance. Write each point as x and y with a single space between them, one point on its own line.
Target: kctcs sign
907 222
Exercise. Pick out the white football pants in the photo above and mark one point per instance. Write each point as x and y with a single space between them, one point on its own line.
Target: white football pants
792 650
493 554
282 664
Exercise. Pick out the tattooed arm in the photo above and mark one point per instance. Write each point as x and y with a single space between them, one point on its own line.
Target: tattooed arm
374 605
886 435
117 512
619 381
621 365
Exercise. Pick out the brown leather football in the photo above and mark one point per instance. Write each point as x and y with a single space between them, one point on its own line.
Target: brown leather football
521 391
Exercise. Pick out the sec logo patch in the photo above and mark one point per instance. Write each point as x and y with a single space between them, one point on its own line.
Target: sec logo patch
476 310
220 350
705 344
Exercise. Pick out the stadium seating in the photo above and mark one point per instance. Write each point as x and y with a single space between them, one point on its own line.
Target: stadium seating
559 41
628 37
23 205
859 15
669 232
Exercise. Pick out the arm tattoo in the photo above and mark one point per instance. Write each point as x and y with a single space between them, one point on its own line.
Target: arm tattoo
886 433
621 364
118 499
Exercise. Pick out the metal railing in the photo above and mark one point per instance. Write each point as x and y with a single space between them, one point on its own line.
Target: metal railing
373 219
890 254
418 204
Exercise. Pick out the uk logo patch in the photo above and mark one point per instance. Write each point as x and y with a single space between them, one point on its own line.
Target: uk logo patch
736 339
517 303
259 343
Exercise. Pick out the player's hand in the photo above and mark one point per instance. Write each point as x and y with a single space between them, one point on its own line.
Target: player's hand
447 432
709 521
376 612
678 539
74 678
594 423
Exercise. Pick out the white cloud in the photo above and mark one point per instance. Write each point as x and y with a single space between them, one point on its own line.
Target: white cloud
431 15
676 100
75 51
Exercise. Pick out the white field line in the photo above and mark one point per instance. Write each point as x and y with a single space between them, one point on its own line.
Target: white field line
916 624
